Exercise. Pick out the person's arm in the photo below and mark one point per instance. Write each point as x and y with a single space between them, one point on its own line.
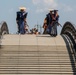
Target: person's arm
25 16
57 18
25 19
45 22
17 17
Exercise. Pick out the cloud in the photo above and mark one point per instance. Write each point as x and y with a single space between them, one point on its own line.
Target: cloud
44 5
51 3
36 1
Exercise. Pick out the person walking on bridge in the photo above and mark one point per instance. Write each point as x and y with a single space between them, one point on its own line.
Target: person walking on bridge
47 22
21 20
51 22
55 18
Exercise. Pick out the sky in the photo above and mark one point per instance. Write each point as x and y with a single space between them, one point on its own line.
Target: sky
37 10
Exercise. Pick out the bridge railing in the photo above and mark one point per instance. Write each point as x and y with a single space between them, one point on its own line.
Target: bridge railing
70 31
3 30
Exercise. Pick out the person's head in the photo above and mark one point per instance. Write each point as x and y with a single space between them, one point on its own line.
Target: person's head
55 11
22 10
51 11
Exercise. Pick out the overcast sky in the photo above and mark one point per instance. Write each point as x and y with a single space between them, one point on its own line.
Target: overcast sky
37 10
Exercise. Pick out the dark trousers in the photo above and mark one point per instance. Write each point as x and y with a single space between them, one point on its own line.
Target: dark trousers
54 29
49 29
21 27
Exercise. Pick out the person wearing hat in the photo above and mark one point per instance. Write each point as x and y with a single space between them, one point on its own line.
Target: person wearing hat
48 21
55 18
21 20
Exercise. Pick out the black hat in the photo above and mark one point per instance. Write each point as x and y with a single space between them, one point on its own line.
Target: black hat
55 10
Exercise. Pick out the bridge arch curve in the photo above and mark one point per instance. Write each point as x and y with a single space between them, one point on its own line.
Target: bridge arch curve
4 28
70 30
69 33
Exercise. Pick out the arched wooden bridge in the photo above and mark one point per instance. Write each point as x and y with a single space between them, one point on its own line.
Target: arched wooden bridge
38 54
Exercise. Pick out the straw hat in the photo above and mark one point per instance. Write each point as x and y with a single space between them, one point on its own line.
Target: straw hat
22 8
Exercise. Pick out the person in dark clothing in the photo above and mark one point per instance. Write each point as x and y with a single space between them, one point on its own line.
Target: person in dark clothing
51 22
47 22
55 19
21 20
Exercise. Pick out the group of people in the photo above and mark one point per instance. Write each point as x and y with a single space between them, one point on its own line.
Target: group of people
51 23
